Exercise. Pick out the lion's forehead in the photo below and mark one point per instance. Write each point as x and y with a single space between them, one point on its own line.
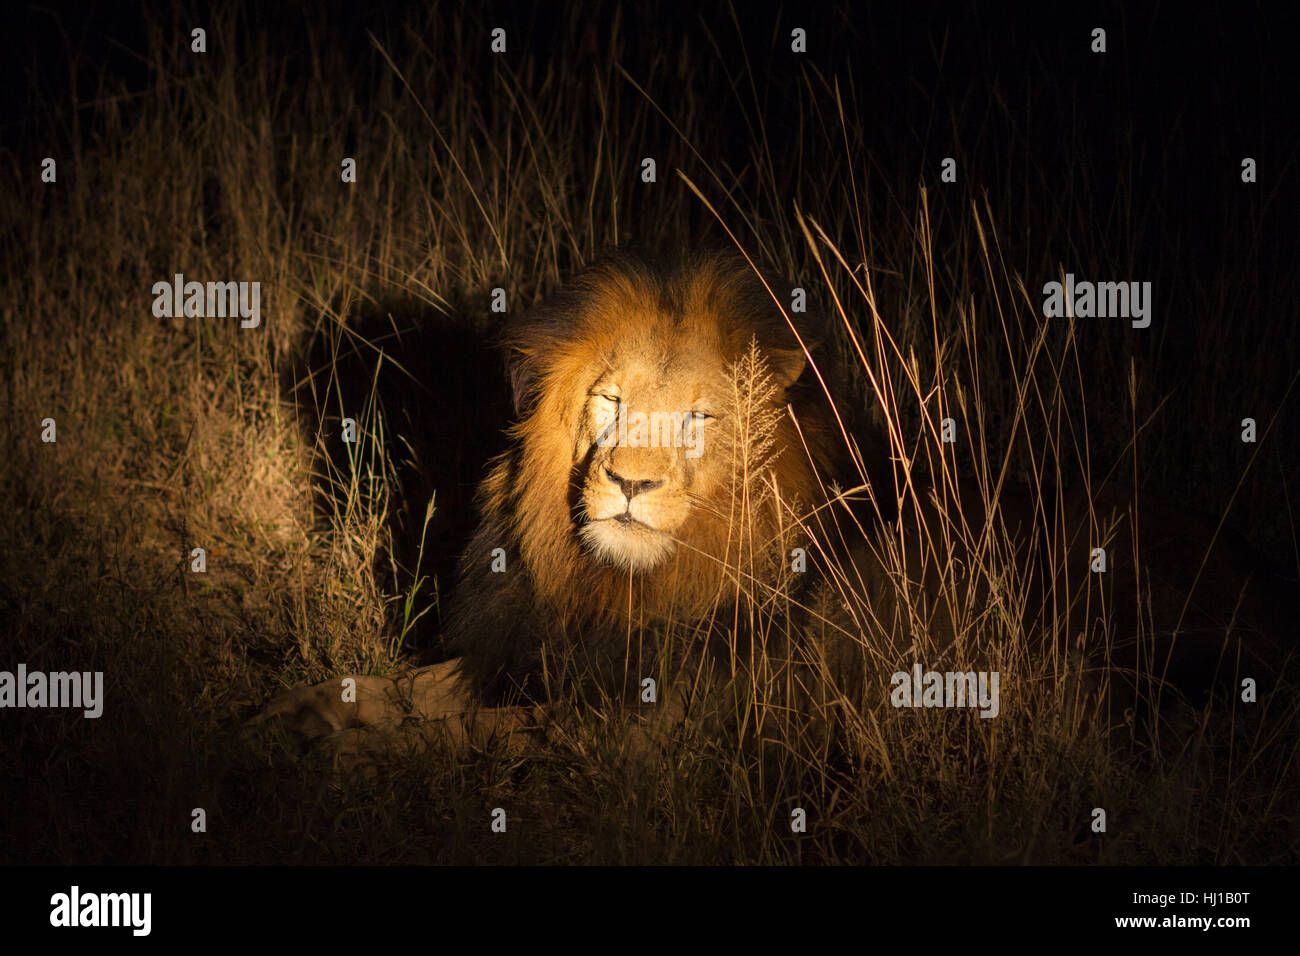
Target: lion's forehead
674 375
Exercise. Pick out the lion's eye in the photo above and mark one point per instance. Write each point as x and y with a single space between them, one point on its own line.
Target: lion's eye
611 397
702 416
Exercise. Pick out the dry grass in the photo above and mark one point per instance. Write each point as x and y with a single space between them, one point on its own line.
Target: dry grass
325 558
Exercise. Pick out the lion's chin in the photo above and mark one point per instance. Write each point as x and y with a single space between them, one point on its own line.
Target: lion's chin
631 545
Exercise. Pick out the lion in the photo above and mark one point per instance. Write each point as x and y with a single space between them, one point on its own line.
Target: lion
614 510
616 507
672 458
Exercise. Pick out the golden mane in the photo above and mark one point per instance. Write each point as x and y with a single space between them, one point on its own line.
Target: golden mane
553 591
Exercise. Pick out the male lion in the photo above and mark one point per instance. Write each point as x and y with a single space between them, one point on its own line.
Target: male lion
669 465
649 481
618 507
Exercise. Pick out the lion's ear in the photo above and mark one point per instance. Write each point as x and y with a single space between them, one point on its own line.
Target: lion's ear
522 377
787 365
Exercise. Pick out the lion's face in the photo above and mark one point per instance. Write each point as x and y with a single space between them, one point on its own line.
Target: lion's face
619 494
651 430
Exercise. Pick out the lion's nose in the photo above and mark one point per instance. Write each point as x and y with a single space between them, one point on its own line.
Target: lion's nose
631 487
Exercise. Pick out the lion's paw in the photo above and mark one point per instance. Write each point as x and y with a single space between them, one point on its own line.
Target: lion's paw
357 722
308 713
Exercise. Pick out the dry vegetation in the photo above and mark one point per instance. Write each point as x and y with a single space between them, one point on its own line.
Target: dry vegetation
477 171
